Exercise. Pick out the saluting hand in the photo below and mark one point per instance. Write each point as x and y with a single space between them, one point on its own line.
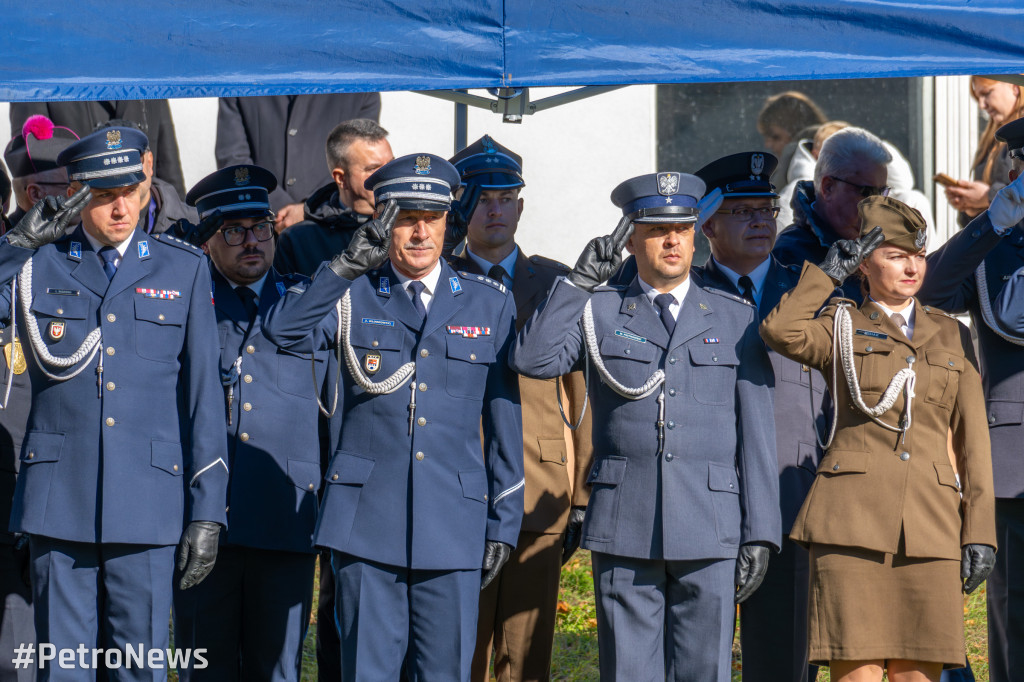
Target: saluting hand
197 235
845 255
48 220
601 257
459 216
369 246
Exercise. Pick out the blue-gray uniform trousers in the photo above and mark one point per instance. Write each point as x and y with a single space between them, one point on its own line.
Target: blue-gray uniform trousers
664 524
410 497
114 464
252 612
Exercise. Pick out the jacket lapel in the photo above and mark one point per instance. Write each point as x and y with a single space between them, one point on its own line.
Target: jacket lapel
87 269
446 301
693 317
136 263
526 289
396 301
227 303
642 319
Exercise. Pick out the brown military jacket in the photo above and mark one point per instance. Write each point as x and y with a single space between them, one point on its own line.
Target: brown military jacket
551 453
871 484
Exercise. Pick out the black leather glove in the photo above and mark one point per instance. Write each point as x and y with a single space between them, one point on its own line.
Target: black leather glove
48 220
845 255
976 562
197 552
495 556
751 565
23 556
369 246
601 257
458 218
573 533
197 235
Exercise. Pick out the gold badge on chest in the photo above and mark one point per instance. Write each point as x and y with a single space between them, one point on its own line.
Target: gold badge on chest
15 357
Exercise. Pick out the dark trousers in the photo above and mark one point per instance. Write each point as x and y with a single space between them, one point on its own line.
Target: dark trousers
773 621
389 617
16 626
517 612
1005 590
102 595
664 620
328 648
250 614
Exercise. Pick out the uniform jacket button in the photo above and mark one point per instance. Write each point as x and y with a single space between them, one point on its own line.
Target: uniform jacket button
835 468
419 455
869 349
311 486
247 378
472 356
873 316
244 437
422 421
111 317
110 386
671 361
375 343
293 132
904 456
424 353
110 421
334 477
423 387
247 407
175 467
110 351
671 425
669 456
250 349
672 391
60 311
991 419
31 455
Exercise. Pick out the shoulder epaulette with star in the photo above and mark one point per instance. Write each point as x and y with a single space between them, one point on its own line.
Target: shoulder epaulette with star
936 311
837 300
166 238
610 287
470 277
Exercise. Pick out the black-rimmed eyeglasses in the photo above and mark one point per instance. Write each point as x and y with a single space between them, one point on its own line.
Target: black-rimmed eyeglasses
746 214
865 190
234 236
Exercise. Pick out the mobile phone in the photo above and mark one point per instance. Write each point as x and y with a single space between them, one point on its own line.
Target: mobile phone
944 180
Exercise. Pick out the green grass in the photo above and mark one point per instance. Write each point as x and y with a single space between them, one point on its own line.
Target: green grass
574 658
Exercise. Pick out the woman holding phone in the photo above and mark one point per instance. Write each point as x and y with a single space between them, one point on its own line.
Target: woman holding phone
891 526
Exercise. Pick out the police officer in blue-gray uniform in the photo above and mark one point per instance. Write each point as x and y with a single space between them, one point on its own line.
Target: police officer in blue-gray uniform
122 448
252 612
741 232
966 274
684 502
413 508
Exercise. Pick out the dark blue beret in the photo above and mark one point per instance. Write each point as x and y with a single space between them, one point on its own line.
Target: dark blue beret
418 182
747 174
237 191
489 165
660 197
108 158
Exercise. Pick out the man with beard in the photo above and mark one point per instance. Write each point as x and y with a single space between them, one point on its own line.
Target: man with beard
252 612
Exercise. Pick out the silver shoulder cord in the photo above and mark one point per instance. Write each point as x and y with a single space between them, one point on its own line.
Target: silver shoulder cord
656 380
337 375
87 351
986 308
842 353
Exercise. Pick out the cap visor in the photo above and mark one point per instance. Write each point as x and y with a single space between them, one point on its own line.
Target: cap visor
113 181
420 205
671 218
248 213
732 195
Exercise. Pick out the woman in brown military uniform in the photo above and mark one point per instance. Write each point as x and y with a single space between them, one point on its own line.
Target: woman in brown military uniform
888 517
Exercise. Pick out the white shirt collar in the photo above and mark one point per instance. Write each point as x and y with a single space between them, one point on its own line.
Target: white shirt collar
757 277
256 286
679 293
429 282
508 263
122 248
909 314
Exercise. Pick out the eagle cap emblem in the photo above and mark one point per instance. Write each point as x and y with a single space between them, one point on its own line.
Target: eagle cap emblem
668 183
756 164
422 165
920 239
113 139
241 176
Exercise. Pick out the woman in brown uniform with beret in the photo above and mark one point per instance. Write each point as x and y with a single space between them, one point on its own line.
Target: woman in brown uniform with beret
891 527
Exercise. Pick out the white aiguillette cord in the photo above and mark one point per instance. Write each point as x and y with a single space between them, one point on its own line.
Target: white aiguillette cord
842 353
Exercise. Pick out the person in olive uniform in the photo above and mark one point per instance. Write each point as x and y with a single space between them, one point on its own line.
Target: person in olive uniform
893 521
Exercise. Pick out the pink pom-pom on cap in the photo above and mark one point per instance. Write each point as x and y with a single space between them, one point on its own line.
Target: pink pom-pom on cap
39 126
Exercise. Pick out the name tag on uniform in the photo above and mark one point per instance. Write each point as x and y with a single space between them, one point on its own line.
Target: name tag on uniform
631 337
469 332
874 335
379 323
64 292
168 294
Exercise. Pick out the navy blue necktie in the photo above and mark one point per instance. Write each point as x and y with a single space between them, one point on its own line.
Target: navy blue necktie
416 288
747 289
109 255
663 301
248 297
498 274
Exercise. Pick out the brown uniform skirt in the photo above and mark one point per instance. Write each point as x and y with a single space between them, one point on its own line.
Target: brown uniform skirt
866 605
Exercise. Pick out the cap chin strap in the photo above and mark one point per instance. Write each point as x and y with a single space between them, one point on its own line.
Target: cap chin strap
842 354
986 308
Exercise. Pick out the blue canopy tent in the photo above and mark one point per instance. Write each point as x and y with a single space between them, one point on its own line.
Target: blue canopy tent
188 48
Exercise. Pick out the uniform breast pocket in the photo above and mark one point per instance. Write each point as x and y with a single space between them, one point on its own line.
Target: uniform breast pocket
714 373
468 362
943 376
872 359
62 320
299 374
378 350
631 362
159 328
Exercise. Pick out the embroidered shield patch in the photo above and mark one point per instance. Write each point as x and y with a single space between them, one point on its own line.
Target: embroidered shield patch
56 329
371 363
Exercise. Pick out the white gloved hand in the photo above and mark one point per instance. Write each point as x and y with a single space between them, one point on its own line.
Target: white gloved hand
1007 207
